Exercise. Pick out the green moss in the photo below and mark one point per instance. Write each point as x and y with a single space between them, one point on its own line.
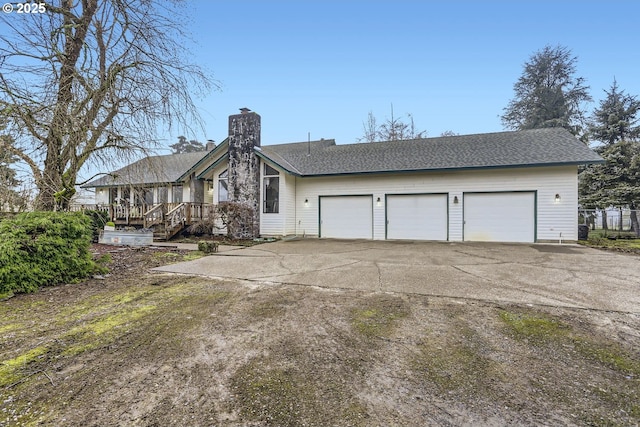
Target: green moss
542 329
533 327
178 257
173 255
193 255
379 317
457 363
10 369
10 327
102 330
608 354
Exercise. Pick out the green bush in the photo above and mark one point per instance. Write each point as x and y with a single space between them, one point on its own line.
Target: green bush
43 249
98 220
207 247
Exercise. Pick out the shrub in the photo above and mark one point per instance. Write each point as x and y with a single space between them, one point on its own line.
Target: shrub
239 219
207 247
98 220
44 248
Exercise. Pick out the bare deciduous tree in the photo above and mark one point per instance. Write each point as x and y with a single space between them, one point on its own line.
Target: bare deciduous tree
393 129
91 81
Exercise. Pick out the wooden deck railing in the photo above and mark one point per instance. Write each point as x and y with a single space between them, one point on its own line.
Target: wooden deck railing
149 215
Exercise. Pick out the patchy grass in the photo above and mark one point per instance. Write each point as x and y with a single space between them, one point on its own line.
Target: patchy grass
103 330
379 315
457 363
609 354
539 328
13 370
612 240
180 257
533 327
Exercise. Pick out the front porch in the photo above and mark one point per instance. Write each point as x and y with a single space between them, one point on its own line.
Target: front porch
166 219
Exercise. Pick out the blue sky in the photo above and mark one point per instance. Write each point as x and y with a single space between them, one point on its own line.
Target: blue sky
320 67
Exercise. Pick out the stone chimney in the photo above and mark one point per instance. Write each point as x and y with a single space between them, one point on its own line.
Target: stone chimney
211 144
244 166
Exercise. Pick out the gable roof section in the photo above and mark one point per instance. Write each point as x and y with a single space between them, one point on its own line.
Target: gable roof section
220 149
536 147
150 170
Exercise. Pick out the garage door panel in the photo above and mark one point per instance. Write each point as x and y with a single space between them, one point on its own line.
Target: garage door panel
499 217
346 217
417 216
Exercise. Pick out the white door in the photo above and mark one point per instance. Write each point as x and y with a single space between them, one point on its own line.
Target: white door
346 217
417 216
499 217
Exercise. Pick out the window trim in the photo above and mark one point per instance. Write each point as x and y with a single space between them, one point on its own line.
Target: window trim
268 176
222 179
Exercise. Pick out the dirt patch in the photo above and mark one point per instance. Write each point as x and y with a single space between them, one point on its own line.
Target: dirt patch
137 348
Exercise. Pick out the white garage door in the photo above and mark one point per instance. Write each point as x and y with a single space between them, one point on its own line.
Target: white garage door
417 216
499 217
346 217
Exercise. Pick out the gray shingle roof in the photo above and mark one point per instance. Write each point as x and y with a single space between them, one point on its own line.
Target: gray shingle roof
153 169
537 147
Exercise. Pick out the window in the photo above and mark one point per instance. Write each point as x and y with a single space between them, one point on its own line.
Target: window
176 194
163 195
271 190
223 186
113 195
148 196
126 195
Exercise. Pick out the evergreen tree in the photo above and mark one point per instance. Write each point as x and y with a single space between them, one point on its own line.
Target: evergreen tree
10 199
184 146
616 118
548 94
616 182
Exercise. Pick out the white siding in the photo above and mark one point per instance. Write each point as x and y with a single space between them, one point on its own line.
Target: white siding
102 196
552 218
273 224
288 207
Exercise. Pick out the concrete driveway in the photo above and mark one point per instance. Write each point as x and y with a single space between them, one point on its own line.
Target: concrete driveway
555 275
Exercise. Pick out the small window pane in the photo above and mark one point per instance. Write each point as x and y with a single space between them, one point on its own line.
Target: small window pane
176 197
271 195
223 190
268 170
148 196
223 186
163 194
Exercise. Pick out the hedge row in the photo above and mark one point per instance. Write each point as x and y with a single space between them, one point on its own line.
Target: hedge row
44 249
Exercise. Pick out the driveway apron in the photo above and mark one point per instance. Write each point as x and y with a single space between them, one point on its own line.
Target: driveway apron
555 275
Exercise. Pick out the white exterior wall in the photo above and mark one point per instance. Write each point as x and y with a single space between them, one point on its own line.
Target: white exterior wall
283 222
551 218
288 189
186 190
102 196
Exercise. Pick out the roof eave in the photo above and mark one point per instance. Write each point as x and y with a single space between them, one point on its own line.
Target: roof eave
452 169
206 157
289 169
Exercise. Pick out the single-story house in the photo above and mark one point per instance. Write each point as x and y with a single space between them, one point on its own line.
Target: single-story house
505 186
